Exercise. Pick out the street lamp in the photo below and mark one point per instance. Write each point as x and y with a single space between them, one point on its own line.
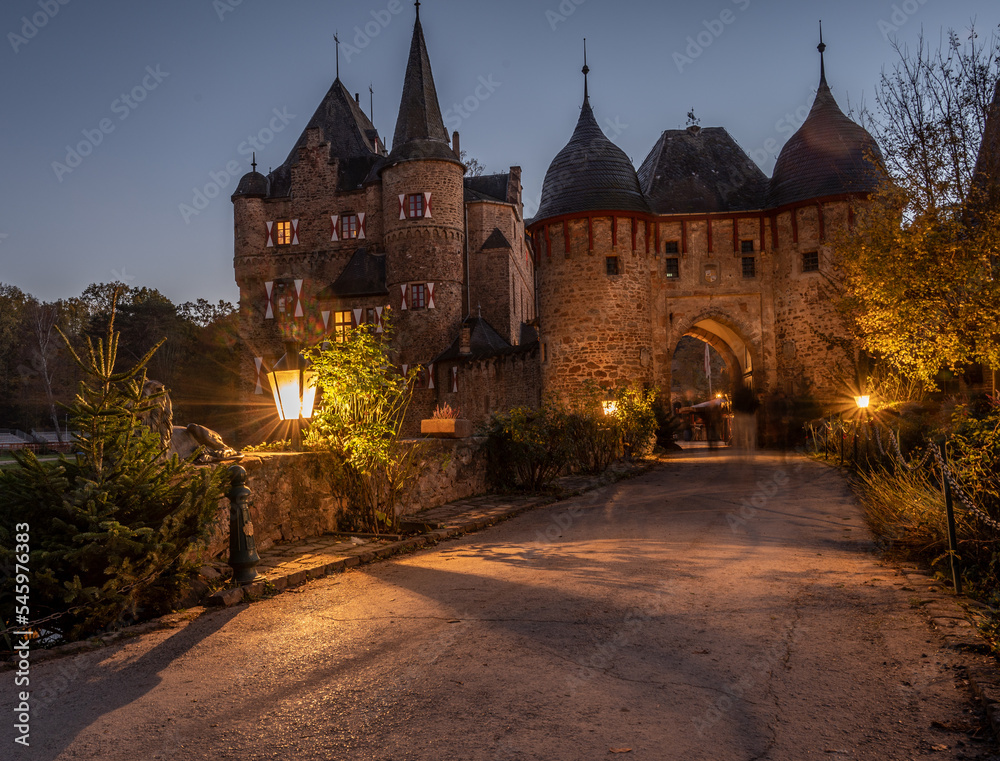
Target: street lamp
862 402
293 384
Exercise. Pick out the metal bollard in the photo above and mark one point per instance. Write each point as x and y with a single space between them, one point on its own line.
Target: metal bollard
243 556
956 571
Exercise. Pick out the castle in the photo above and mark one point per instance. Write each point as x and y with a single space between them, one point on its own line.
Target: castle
616 267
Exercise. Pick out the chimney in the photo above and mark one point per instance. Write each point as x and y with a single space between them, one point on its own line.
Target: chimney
514 186
357 98
456 145
465 344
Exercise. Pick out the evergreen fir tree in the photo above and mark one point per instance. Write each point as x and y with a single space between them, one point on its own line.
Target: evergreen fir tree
112 528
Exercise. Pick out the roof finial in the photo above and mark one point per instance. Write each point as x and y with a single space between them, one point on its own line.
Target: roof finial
418 9
336 38
822 62
254 161
586 71
371 110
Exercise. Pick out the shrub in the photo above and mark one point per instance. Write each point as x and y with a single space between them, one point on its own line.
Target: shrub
364 403
637 419
527 448
595 437
110 529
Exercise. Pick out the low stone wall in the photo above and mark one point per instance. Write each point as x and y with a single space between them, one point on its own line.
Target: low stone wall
450 469
292 494
291 498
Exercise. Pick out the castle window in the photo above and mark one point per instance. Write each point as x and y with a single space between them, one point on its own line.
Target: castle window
284 233
611 263
673 268
746 247
671 247
418 296
415 206
349 226
810 261
749 266
341 326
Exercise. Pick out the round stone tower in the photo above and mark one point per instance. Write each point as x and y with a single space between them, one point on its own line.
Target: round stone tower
424 223
591 242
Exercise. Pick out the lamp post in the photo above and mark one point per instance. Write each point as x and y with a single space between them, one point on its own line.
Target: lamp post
862 402
293 384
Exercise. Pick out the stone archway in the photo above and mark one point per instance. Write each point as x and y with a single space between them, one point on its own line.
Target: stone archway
732 340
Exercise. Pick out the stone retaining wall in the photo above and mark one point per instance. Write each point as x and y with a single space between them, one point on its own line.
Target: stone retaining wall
292 494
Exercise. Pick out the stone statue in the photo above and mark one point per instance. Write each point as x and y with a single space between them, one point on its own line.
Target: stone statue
179 440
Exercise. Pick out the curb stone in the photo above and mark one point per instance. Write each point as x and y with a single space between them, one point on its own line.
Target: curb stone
950 617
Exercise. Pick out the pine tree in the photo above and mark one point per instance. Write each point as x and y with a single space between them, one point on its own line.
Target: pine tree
112 528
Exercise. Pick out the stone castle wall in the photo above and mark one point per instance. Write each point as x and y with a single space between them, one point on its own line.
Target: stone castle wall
593 326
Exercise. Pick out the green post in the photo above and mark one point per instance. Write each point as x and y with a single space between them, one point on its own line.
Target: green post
243 556
956 572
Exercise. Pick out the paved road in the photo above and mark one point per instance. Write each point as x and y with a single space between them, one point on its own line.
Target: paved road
712 609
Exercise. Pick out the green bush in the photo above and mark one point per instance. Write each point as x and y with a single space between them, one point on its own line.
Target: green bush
362 409
111 529
595 437
637 419
527 448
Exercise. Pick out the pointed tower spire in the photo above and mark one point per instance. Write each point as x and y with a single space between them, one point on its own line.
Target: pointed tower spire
336 39
822 62
586 72
420 130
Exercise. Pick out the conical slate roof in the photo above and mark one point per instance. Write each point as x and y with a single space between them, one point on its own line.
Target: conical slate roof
829 155
420 131
590 174
986 181
252 185
700 170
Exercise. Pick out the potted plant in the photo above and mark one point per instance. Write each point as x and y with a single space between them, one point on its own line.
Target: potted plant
446 423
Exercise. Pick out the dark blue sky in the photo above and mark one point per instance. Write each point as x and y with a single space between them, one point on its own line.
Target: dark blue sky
165 96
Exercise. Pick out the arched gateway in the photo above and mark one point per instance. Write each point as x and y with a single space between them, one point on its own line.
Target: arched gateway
698 242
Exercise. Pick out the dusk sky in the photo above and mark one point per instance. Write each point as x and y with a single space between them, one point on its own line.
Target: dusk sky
122 119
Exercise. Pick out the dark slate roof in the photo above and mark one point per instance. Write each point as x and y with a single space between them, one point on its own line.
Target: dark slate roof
828 156
252 185
364 275
487 187
701 170
420 131
987 177
590 174
496 240
484 342
351 136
